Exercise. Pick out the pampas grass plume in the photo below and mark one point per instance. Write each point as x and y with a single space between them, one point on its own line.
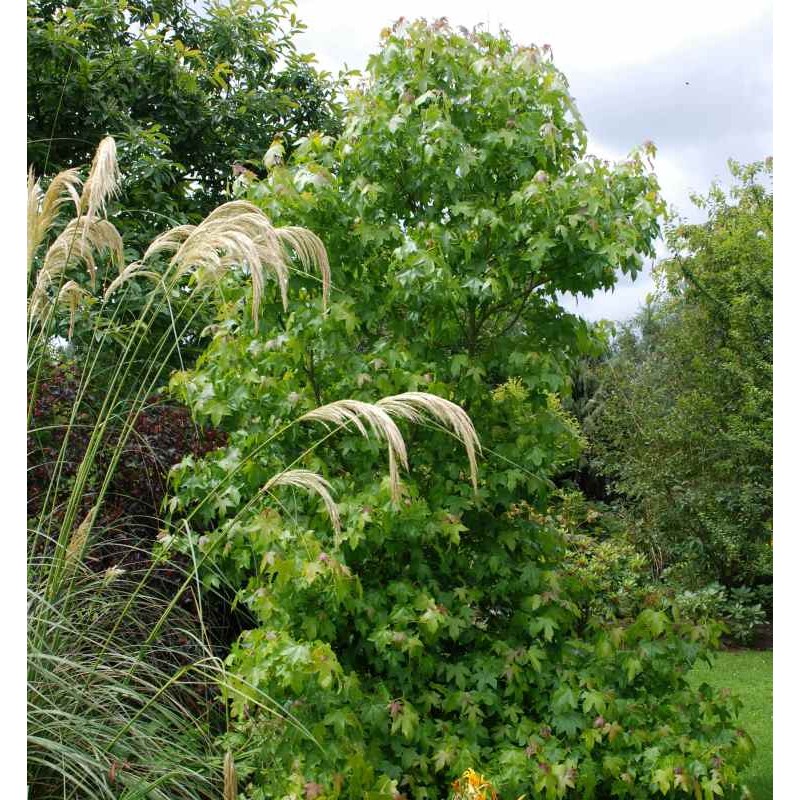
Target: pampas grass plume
313 482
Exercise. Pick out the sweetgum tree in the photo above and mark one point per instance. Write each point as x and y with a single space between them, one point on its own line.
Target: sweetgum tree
436 630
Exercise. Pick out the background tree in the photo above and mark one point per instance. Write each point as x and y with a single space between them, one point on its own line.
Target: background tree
582 399
192 93
435 630
684 417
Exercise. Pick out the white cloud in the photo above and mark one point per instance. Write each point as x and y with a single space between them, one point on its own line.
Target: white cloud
587 35
628 71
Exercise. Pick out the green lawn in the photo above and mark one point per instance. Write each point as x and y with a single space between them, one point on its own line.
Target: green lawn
749 674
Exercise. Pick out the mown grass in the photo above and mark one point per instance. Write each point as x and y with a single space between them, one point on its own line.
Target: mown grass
748 673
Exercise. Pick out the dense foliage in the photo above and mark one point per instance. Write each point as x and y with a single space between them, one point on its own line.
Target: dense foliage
195 94
162 434
682 423
190 91
435 629
615 579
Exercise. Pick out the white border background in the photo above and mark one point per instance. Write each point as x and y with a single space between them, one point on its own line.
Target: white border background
12 391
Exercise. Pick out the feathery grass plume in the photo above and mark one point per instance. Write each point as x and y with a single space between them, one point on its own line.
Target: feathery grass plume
97 236
133 269
101 234
230 788
71 294
59 255
313 482
239 233
245 235
346 412
65 250
413 405
32 216
169 241
77 542
311 251
103 181
66 182
42 209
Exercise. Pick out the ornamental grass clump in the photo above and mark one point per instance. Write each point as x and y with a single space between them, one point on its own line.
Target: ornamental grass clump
124 668
108 714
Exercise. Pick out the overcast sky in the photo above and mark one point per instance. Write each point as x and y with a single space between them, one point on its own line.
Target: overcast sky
695 77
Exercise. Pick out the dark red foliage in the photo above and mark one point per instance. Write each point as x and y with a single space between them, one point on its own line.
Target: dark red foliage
129 518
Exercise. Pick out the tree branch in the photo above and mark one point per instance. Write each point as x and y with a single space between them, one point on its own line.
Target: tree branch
312 377
533 284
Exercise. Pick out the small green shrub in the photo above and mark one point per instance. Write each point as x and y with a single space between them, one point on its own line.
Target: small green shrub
742 615
737 608
611 578
616 580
